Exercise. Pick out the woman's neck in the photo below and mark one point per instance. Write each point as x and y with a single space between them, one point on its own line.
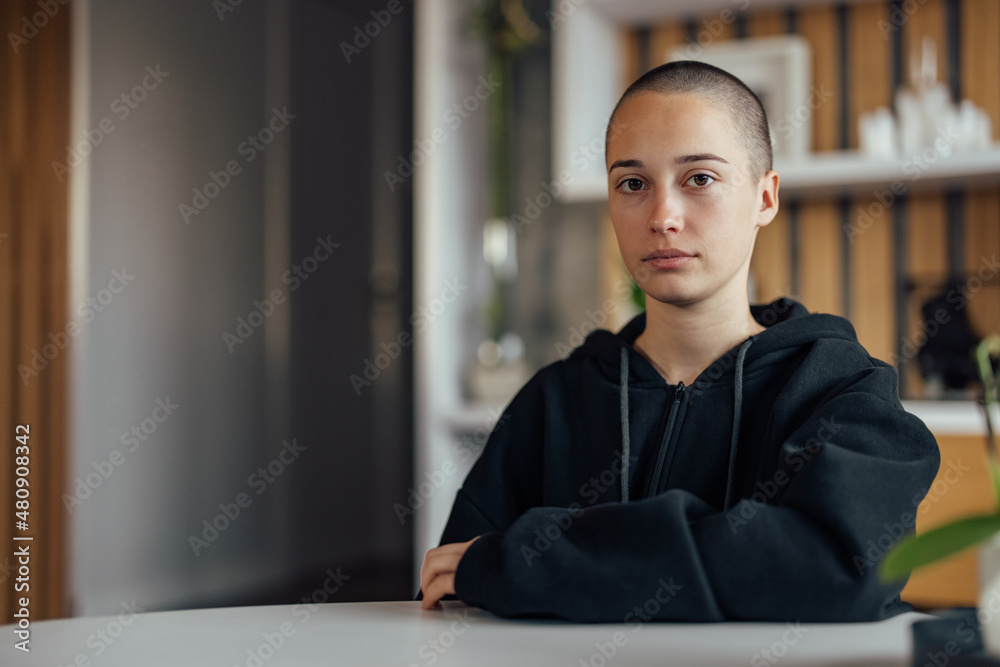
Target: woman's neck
681 342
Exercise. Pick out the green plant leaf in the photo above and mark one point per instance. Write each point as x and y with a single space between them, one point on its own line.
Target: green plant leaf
994 469
938 543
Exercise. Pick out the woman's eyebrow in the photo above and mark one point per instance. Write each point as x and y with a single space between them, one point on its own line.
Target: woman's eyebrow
631 164
680 159
698 157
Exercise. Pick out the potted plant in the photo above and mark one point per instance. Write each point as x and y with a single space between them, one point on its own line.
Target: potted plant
941 542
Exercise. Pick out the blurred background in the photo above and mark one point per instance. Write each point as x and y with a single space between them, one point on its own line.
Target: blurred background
270 270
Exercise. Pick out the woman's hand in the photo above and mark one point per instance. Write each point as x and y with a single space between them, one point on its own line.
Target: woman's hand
437 574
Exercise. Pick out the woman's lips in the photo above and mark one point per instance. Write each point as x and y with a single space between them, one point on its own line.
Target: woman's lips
668 259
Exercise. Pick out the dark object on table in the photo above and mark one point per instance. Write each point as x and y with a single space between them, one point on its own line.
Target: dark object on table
953 639
946 355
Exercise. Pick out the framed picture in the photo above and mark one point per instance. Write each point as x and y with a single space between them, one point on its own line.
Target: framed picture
778 70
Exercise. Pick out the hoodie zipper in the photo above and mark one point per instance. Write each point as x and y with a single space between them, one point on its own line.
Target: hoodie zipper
664 444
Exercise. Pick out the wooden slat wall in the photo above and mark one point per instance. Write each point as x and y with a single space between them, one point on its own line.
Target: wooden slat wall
961 489
820 244
980 25
814 231
34 132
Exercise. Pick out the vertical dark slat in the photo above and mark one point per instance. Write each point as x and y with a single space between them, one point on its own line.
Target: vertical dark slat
900 287
900 284
953 36
955 199
955 209
642 42
844 204
845 137
740 25
793 246
791 20
896 9
845 87
691 31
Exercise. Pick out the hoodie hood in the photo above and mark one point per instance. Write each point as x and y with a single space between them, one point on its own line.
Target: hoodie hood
789 327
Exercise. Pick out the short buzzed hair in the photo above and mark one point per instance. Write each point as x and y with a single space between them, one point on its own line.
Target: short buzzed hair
743 107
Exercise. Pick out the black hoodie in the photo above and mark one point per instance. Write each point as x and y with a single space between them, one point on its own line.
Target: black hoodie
767 490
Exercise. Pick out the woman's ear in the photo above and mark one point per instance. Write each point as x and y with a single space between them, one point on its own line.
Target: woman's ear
767 197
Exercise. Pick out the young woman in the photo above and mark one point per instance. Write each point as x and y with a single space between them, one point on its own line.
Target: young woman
726 461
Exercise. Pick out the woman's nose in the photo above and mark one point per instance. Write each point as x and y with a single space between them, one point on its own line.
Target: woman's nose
667 213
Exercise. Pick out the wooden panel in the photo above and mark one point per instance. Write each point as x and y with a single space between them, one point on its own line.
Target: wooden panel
34 132
982 252
820 238
666 38
872 284
927 265
956 492
769 264
767 23
869 76
872 290
818 26
630 59
980 25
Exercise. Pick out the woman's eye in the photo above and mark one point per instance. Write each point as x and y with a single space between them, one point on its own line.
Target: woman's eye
701 180
631 185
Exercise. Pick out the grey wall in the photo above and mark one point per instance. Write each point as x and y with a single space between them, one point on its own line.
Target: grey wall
162 335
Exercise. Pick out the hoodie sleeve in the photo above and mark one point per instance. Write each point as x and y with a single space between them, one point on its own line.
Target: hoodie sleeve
802 545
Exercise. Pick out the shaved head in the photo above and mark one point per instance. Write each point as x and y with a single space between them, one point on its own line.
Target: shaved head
742 106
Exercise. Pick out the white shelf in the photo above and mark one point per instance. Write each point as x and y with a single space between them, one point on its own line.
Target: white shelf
950 417
850 173
588 47
644 12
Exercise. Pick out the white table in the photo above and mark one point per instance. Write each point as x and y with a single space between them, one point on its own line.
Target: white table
400 633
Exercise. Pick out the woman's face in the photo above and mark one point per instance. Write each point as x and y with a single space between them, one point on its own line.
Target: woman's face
684 206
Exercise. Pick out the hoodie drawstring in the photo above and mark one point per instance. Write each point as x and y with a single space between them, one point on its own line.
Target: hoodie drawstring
737 414
734 438
624 405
